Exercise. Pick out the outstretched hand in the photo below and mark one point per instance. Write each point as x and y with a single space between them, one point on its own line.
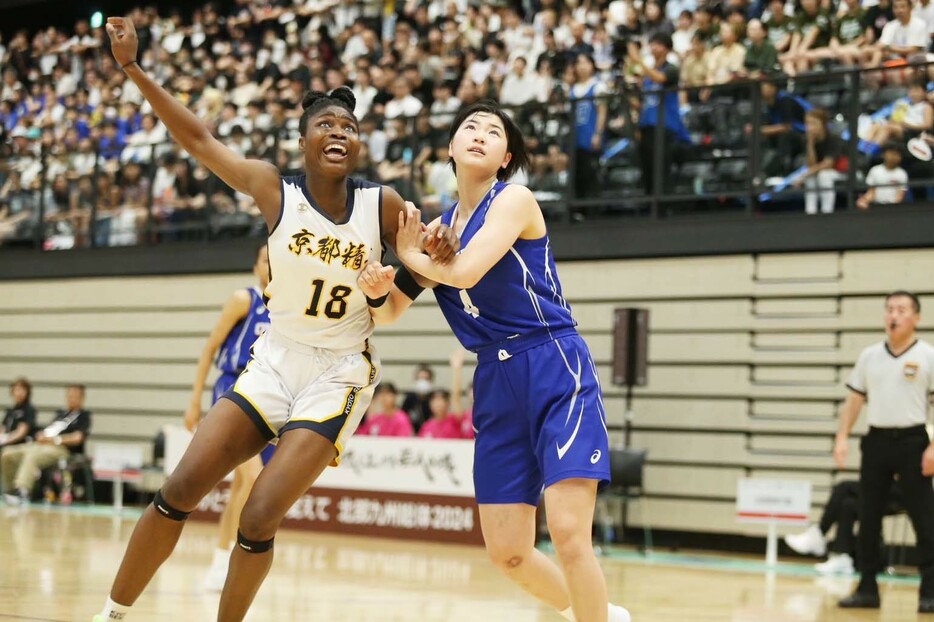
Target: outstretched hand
410 234
123 40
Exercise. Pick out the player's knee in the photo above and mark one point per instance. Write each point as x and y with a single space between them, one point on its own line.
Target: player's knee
571 540
507 560
258 521
169 510
506 555
180 494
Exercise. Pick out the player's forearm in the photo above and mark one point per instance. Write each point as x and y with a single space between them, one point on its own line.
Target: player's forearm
453 274
186 128
201 374
392 309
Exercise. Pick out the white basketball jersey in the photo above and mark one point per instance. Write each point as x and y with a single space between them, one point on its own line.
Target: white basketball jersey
314 262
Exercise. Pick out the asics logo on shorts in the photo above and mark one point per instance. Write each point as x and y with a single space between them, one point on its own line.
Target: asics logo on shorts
595 458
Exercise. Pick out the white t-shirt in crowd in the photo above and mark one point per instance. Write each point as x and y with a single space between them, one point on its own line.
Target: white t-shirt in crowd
896 387
915 34
926 14
888 183
408 106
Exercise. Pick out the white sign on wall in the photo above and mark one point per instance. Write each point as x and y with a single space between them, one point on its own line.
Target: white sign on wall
773 501
117 456
403 465
410 465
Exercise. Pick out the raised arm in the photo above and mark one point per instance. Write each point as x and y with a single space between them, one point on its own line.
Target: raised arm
235 309
253 177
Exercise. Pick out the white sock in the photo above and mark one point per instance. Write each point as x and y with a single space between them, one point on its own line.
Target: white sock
618 614
221 557
114 611
615 614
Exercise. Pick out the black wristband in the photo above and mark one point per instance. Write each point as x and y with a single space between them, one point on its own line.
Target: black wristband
122 67
407 283
377 302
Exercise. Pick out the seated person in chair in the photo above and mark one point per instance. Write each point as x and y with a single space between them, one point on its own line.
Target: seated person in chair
66 435
841 510
19 423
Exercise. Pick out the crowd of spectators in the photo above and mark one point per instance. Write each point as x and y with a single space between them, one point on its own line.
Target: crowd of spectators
81 146
427 411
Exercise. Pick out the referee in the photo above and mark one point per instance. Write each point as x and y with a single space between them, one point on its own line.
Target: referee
895 378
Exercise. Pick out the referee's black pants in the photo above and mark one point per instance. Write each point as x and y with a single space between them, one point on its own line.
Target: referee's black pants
885 453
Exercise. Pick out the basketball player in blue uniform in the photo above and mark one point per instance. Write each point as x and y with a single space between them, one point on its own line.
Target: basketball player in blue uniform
311 375
243 319
538 411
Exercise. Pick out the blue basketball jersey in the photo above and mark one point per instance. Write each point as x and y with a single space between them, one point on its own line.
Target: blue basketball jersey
235 352
520 294
585 116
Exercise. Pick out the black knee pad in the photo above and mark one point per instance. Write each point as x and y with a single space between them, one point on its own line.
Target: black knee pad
252 546
167 510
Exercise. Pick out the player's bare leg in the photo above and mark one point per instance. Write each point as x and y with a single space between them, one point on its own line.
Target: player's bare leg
569 504
224 439
243 478
300 457
221 442
509 534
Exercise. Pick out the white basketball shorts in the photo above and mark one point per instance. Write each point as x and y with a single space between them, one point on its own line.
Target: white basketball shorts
289 385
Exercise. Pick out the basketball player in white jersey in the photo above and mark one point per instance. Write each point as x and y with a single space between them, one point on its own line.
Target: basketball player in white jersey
313 372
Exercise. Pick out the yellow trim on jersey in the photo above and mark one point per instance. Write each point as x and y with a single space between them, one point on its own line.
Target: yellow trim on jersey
372 376
272 430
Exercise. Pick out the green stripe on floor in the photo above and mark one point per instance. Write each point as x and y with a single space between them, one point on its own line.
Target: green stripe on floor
726 564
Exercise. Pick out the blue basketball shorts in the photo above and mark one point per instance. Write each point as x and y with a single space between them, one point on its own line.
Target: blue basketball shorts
224 383
539 416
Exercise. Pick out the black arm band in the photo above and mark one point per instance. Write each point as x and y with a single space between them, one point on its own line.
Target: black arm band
376 303
127 64
407 284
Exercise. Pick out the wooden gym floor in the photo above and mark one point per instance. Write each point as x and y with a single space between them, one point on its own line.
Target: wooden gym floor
56 564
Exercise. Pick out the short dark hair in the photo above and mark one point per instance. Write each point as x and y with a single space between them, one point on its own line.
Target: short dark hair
316 101
385 387
425 367
662 39
515 141
442 392
898 293
22 382
892 146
